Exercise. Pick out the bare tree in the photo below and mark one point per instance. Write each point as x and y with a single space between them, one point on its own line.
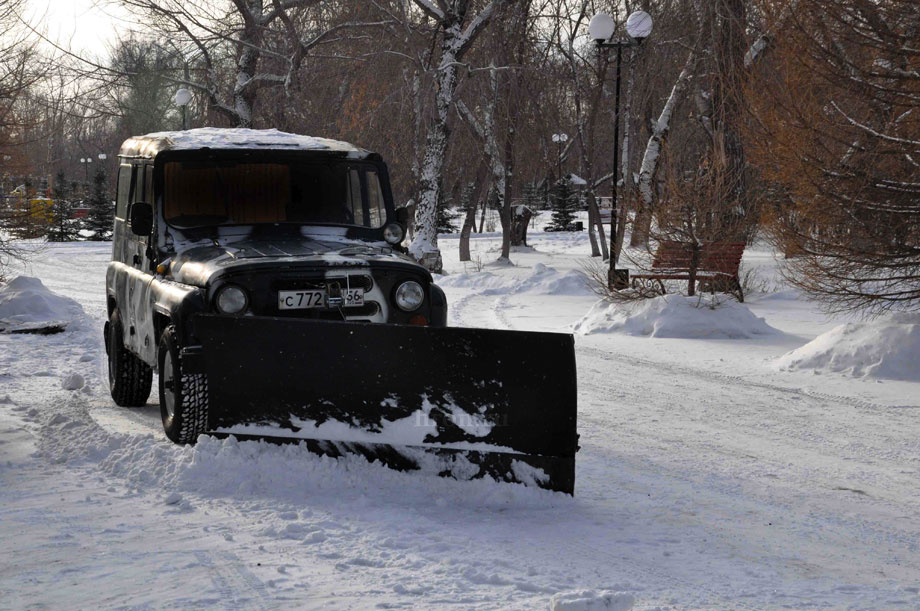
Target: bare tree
584 74
267 39
20 69
835 127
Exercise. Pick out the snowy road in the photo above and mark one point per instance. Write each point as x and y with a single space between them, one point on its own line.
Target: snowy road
706 479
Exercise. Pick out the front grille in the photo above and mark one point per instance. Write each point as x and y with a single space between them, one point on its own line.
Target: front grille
315 282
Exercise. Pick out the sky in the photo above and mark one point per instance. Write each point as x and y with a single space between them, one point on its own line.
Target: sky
84 26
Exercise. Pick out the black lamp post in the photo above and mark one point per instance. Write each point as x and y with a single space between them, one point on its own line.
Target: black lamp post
602 29
182 98
560 140
86 161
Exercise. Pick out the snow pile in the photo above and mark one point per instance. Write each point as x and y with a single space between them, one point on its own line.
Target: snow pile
26 303
589 600
887 348
541 280
545 280
675 316
73 381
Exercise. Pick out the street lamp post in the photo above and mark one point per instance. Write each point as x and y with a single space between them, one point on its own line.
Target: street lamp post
560 140
86 161
602 29
182 98
102 157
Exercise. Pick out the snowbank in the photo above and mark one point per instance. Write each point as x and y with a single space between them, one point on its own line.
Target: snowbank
26 303
675 316
541 280
887 348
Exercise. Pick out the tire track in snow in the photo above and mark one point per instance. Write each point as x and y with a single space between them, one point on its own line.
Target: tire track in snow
238 588
734 380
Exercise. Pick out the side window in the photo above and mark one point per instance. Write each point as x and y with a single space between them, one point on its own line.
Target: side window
354 204
376 207
124 191
137 188
148 184
137 184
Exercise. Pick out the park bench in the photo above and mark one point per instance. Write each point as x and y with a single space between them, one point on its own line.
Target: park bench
716 269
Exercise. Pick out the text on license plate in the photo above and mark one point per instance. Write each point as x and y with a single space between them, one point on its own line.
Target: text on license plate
296 300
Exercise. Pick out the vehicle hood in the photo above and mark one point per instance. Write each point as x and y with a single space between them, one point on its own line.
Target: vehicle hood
197 265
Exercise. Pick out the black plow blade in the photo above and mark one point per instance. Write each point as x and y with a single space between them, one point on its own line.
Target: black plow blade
463 403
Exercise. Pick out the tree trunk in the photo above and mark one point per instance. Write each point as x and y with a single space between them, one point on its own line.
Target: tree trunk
649 166
469 223
642 225
522 216
250 44
596 228
507 213
424 246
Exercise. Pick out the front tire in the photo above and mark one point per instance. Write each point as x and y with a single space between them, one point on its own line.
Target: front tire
183 396
130 378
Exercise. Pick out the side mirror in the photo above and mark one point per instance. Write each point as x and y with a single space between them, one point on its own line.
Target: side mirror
141 218
402 216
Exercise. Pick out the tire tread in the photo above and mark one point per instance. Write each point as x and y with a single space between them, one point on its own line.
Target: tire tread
133 377
192 404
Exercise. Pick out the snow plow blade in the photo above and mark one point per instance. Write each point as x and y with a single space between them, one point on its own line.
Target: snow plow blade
463 403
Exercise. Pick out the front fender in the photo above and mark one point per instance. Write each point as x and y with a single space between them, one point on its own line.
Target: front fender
177 302
438 306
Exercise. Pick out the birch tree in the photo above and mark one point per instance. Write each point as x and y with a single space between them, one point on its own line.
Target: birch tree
458 28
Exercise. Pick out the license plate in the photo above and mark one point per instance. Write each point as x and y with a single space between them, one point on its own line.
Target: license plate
299 300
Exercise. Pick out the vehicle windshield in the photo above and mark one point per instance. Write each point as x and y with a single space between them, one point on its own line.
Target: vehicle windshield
226 192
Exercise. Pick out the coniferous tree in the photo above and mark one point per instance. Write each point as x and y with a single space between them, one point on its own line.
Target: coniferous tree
101 215
565 203
61 228
446 218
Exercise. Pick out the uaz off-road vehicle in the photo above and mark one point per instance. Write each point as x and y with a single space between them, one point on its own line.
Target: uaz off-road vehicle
261 275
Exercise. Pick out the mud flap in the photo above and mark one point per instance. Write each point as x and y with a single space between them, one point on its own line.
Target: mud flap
460 402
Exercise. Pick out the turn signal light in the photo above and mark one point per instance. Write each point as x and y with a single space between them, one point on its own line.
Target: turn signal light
161 269
418 320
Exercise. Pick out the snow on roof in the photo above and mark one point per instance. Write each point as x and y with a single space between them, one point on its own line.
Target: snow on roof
233 138
576 180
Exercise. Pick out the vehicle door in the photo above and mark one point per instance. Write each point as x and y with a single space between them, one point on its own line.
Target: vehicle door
140 330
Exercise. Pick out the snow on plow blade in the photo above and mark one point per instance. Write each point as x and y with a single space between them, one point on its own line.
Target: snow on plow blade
464 403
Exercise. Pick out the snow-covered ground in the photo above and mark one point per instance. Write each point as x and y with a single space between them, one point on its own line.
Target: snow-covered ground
712 474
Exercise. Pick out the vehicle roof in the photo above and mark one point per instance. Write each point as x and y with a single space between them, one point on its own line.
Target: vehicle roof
217 138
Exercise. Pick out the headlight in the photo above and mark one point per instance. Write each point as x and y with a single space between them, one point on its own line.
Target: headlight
393 233
231 300
409 295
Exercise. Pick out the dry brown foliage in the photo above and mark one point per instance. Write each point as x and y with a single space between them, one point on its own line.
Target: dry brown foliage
835 126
